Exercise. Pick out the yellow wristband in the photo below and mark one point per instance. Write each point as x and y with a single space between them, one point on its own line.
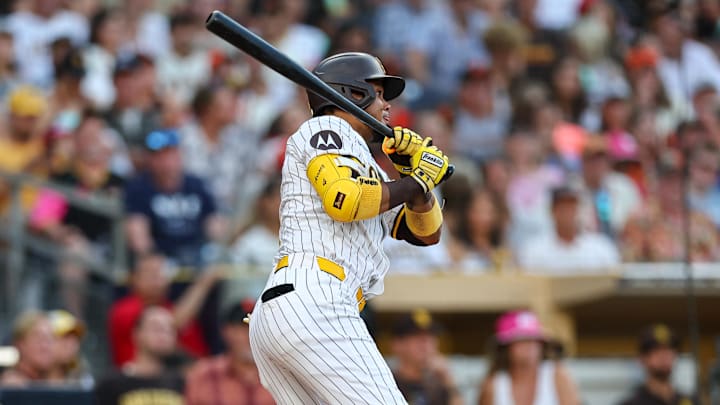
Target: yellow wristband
424 223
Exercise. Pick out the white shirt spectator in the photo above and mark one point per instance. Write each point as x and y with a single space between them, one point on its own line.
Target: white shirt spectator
97 85
698 66
153 35
32 36
556 14
182 76
588 252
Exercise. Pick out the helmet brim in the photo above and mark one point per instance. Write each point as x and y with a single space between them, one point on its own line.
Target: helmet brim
393 86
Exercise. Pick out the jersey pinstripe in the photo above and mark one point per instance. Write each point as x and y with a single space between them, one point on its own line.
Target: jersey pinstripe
306 227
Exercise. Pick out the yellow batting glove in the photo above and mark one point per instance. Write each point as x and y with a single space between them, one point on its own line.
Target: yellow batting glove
428 165
400 147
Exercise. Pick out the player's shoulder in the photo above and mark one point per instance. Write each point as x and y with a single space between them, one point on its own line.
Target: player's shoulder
326 132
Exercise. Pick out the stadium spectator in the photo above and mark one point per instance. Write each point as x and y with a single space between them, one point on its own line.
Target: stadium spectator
461 36
528 192
652 233
707 112
149 285
422 373
222 154
685 64
568 249
523 368
480 234
169 210
403 51
545 46
602 77
8 70
506 41
65 106
657 350
85 236
252 251
21 146
567 92
71 367
281 23
647 91
135 112
146 379
185 68
107 34
34 28
232 377
257 244
704 193
351 36
148 29
32 336
608 198
482 117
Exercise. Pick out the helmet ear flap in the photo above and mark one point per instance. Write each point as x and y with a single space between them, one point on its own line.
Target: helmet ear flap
363 89
350 91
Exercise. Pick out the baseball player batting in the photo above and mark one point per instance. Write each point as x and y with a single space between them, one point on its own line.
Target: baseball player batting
337 206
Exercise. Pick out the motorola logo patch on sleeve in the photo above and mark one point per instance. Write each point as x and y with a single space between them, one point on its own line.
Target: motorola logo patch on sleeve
325 140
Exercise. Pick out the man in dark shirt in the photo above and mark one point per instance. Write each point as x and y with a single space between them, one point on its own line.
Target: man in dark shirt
168 209
421 372
658 347
146 380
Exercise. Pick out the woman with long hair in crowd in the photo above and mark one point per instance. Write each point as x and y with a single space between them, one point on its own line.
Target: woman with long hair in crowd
524 368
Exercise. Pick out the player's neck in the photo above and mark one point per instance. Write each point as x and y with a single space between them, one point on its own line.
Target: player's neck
356 124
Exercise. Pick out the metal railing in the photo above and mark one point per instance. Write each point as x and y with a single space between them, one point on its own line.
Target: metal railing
17 241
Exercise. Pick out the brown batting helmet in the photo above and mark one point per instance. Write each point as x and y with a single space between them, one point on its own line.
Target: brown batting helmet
351 72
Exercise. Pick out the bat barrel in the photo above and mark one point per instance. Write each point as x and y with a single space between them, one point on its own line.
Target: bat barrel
236 34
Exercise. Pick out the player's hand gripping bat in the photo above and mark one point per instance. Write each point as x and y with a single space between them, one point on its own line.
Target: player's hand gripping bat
242 38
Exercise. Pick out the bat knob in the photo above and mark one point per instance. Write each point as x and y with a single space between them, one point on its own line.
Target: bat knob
448 173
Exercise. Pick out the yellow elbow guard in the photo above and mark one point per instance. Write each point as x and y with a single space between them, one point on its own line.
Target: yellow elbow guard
424 223
345 197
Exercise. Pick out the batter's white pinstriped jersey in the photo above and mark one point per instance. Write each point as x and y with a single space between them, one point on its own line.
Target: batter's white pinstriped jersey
307 337
306 227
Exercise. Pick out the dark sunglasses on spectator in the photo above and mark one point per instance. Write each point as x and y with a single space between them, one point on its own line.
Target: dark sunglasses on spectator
161 139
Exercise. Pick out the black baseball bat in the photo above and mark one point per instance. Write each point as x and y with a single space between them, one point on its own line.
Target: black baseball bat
239 36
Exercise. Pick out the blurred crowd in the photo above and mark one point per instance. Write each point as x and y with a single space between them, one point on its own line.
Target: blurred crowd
586 133
525 363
